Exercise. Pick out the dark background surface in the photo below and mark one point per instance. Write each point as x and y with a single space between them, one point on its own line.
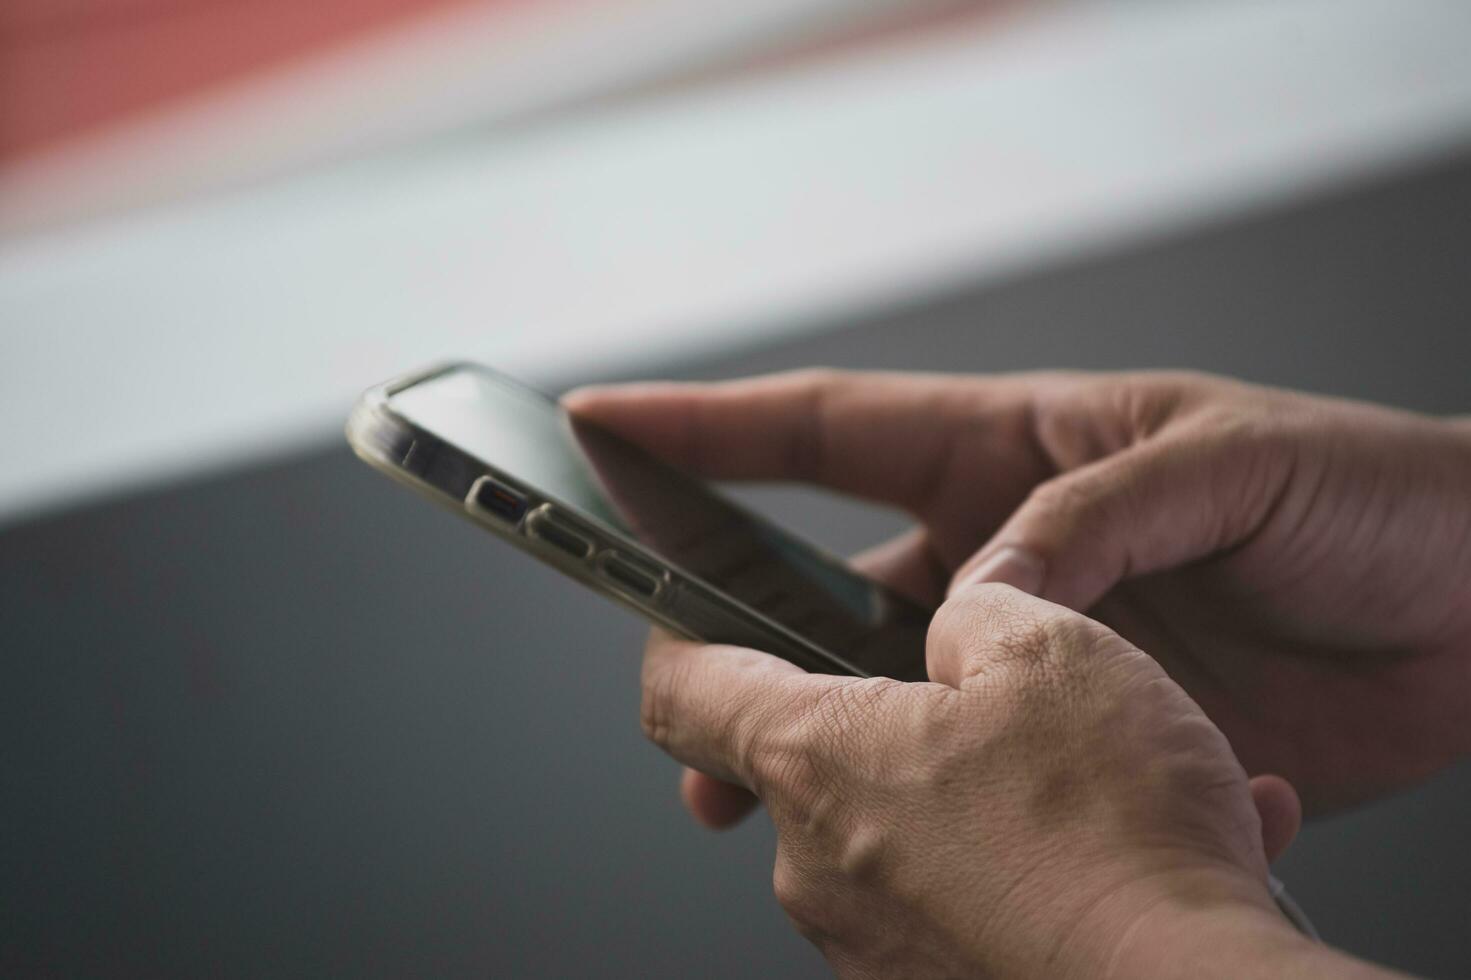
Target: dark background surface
291 721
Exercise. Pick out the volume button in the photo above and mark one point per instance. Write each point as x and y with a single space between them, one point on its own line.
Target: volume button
630 574
544 525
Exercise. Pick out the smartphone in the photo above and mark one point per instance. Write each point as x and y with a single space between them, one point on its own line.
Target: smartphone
611 516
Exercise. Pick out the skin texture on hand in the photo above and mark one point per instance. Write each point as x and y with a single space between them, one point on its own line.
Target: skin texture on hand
1301 565
1051 805
1054 803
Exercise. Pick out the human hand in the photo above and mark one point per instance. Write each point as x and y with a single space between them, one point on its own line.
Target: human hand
1052 804
1300 565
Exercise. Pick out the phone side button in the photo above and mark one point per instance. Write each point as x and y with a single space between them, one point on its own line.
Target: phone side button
542 525
496 499
629 574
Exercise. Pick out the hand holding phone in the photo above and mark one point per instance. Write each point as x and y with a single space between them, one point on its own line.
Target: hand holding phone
612 516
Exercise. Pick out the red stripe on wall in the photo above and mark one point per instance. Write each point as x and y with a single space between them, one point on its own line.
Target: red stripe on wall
70 66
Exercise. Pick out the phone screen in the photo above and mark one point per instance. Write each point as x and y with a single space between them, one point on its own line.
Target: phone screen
604 479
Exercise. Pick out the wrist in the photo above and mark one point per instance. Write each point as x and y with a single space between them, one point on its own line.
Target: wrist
1235 940
1154 922
1205 930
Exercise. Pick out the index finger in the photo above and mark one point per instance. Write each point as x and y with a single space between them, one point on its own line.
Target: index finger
711 707
884 436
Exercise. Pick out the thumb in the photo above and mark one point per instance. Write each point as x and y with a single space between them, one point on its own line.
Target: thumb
1153 506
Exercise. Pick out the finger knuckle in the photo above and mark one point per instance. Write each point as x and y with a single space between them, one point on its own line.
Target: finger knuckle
657 704
840 708
980 614
789 887
1066 422
801 758
962 630
865 852
1151 398
1146 403
1041 661
1052 643
787 772
799 898
1075 499
789 778
967 617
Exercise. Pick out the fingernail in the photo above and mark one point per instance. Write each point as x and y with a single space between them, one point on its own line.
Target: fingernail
1017 567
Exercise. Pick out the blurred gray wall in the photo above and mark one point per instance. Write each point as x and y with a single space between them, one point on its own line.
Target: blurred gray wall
289 721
